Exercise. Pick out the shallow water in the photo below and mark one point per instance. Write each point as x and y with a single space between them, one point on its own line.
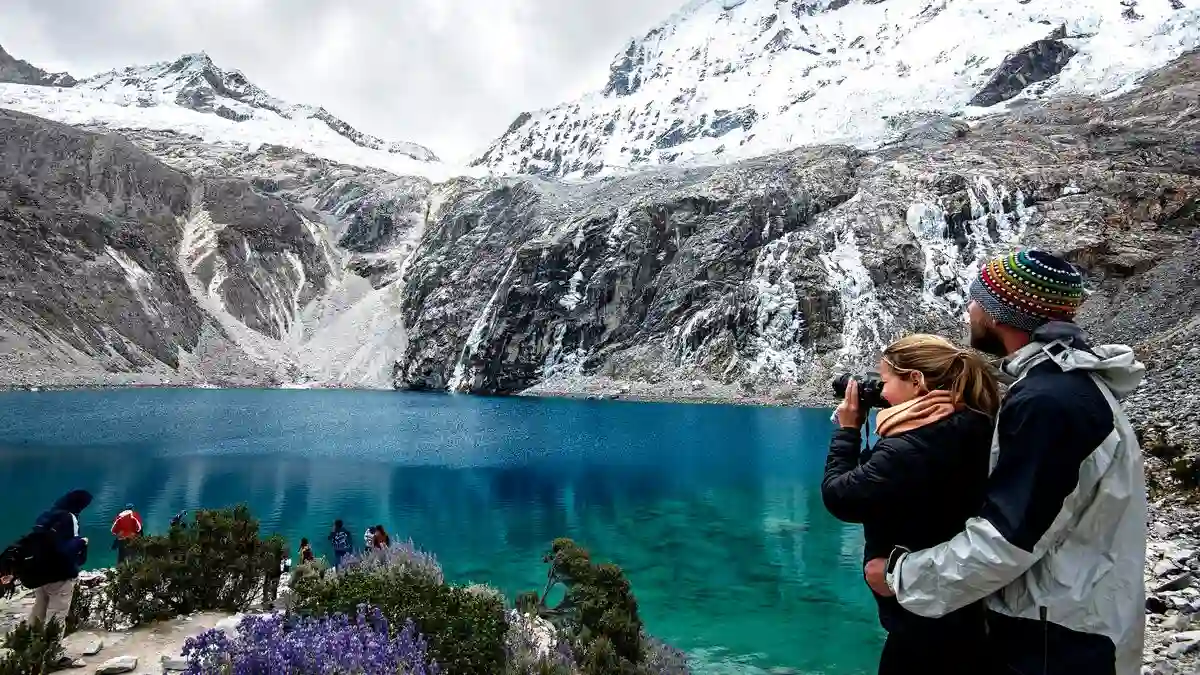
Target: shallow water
713 511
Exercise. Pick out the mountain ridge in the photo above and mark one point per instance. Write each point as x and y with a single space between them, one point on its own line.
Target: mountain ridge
195 82
191 94
728 80
17 71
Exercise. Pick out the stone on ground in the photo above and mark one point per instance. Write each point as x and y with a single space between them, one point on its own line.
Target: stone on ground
121 664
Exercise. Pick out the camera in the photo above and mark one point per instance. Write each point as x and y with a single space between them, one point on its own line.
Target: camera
870 389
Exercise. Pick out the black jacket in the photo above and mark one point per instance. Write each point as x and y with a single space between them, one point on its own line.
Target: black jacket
915 490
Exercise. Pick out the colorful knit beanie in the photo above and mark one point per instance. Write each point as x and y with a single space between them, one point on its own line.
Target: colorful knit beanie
1027 289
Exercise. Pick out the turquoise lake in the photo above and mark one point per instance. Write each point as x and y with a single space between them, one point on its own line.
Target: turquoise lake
714 512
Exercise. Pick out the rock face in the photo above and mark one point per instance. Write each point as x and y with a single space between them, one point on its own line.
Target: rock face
90 229
723 80
515 281
17 71
109 257
766 275
1037 62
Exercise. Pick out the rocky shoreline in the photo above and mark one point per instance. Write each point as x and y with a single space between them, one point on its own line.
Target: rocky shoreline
1172 588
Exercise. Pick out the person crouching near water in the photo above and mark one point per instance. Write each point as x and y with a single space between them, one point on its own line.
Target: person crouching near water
920 483
125 528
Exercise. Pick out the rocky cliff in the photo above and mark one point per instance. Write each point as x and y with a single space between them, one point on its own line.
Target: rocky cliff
110 256
765 275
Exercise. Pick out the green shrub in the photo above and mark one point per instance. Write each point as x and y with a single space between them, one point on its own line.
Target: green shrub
465 629
217 563
598 612
35 648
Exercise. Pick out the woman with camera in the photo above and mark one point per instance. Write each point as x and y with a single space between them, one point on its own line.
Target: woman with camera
920 482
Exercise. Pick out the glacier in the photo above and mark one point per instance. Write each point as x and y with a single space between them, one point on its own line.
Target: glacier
723 80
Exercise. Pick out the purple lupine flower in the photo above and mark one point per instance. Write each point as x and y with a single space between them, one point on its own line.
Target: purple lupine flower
270 645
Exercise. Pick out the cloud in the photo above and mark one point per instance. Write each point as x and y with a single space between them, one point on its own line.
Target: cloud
450 74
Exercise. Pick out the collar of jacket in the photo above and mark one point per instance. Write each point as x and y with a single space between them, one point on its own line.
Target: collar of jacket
1064 344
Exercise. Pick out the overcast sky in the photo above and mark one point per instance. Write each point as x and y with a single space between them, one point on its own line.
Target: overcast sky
449 74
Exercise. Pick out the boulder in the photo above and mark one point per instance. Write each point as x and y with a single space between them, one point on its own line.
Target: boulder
121 664
1177 584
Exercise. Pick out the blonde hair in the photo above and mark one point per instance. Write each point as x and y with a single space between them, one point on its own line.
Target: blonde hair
943 366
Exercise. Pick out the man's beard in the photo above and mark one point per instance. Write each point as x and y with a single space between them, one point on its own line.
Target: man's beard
986 340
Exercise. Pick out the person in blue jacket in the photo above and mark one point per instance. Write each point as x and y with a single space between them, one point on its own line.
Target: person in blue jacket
341 542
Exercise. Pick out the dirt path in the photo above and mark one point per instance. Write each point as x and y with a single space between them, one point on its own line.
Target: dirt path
147 644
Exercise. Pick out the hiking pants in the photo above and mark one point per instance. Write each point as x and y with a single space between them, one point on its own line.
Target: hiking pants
931 655
53 601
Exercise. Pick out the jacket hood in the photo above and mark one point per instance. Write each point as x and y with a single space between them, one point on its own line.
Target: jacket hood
1065 344
74 501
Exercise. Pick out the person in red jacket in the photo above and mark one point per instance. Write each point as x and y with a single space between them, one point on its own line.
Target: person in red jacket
126 526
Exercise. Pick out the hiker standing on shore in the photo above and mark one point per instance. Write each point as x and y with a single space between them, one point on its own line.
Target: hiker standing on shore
339 539
125 528
1057 549
48 559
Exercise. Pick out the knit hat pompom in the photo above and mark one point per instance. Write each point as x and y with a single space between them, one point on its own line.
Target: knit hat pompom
1028 288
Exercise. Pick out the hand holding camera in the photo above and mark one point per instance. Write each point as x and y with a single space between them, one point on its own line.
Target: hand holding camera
859 393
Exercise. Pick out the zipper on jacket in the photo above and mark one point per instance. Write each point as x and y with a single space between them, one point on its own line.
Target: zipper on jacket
1044 613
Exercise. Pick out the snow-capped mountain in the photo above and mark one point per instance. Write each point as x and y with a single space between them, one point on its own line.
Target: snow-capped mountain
724 79
194 96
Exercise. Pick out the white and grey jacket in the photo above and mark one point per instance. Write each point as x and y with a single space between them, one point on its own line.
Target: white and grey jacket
1058 547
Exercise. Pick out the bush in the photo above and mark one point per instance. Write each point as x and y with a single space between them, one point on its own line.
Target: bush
336 644
36 648
599 616
218 563
465 629
401 558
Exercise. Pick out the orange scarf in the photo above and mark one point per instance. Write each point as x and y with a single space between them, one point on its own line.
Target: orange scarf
923 410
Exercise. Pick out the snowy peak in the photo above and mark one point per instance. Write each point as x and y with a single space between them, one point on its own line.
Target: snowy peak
17 71
194 82
725 79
